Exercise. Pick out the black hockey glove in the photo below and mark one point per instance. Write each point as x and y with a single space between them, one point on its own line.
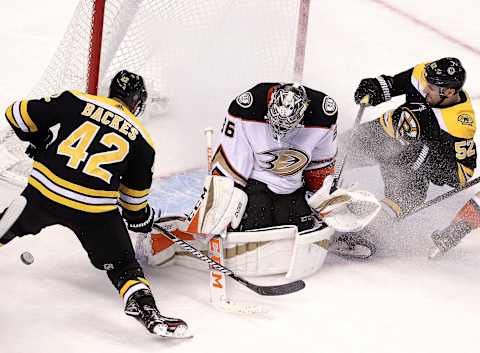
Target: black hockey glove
140 221
378 89
38 143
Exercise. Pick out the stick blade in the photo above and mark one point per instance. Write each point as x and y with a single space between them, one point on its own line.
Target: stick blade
281 289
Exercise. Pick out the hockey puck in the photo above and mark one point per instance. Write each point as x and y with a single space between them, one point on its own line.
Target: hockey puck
27 258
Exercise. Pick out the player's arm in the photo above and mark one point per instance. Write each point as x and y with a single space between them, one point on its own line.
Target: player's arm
31 119
135 189
382 88
323 161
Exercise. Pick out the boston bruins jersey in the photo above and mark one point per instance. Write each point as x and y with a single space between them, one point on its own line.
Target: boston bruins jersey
247 149
101 155
449 133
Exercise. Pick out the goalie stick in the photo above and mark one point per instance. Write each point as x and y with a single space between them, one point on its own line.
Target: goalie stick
274 290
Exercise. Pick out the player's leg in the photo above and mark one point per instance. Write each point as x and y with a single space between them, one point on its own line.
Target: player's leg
466 220
293 209
26 214
368 145
258 213
106 240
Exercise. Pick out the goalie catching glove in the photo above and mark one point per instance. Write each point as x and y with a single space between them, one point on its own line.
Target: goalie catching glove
140 221
221 205
344 210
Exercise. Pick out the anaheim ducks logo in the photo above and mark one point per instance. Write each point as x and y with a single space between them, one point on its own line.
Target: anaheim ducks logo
285 162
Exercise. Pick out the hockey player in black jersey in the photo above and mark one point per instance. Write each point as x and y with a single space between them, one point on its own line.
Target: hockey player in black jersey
428 139
100 157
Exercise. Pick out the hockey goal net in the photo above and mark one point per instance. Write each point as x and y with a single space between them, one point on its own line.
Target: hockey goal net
195 55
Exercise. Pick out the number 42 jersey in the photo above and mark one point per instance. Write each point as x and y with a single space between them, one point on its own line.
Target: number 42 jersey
101 154
247 149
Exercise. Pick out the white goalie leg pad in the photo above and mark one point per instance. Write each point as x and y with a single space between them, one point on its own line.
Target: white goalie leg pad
309 252
12 212
220 205
260 252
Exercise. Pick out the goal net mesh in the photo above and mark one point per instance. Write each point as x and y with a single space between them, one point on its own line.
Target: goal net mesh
195 56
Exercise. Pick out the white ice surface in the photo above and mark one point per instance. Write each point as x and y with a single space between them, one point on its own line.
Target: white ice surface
397 302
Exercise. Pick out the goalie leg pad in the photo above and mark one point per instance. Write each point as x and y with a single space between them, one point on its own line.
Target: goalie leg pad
260 252
309 252
221 205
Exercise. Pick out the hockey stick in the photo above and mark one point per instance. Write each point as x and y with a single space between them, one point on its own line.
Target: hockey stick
340 166
441 197
281 289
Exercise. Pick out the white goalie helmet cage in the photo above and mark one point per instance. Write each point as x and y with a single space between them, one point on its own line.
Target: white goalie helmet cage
286 108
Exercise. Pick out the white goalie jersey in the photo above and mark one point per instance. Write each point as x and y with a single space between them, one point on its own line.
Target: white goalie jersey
247 150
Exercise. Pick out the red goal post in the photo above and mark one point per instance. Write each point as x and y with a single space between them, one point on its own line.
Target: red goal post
195 56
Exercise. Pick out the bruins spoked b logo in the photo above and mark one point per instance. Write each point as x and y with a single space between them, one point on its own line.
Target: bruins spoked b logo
285 161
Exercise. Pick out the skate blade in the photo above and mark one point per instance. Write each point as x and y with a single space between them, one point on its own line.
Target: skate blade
180 332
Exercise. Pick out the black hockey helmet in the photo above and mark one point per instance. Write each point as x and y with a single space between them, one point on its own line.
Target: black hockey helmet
286 108
446 73
130 89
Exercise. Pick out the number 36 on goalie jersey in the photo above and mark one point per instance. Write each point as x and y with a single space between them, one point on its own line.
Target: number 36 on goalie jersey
102 155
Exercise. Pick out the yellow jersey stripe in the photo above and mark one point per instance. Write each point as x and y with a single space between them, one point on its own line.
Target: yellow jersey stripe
132 192
9 115
67 202
71 186
132 207
26 117
144 280
127 286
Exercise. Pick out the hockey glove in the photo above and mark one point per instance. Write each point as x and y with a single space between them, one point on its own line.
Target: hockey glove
38 143
378 89
140 221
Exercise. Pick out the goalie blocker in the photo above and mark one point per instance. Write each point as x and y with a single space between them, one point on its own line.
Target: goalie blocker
265 251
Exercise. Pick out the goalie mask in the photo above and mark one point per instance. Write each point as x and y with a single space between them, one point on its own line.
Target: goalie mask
286 108
130 89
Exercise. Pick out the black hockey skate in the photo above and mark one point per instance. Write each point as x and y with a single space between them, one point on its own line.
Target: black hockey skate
352 246
157 324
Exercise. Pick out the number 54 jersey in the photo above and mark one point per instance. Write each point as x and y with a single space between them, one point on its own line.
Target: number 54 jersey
101 154
247 149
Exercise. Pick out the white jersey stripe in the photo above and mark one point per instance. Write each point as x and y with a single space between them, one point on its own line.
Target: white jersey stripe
71 194
18 117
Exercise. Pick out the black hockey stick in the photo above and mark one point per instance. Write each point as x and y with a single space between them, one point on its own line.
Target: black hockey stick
441 197
281 289
341 164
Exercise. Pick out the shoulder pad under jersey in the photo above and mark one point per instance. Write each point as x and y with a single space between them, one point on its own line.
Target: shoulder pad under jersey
252 104
322 110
